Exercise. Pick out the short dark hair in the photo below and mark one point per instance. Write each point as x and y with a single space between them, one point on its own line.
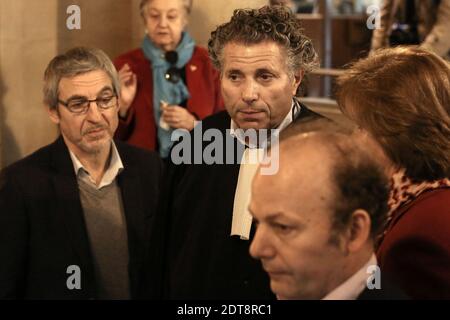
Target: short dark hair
269 23
360 183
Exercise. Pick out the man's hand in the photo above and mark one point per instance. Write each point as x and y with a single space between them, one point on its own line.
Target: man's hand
178 117
128 86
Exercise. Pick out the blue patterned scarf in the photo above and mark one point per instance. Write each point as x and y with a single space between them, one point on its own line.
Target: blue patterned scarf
163 90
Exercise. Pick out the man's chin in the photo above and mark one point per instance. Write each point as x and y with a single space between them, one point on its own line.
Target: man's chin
256 125
96 146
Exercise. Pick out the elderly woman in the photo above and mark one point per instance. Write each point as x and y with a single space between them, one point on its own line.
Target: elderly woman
400 99
168 83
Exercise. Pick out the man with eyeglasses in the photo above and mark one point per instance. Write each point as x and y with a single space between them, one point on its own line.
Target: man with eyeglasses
75 215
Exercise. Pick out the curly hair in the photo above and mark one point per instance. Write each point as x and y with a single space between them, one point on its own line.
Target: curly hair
272 23
401 96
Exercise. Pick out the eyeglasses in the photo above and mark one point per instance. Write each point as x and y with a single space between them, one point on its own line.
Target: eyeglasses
173 74
81 106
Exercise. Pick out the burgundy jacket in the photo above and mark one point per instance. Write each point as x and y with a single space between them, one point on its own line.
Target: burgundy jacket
202 79
415 252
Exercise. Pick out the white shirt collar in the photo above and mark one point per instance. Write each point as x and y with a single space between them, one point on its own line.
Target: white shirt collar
290 116
115 167
353 286
242 219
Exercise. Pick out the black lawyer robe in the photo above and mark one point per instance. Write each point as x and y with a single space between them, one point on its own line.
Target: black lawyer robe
202 260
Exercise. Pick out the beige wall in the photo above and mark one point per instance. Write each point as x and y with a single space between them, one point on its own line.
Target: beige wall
28 40
207 14
32 32
112 25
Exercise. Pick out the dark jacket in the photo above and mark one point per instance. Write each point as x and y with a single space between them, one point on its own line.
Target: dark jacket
203 261
42 228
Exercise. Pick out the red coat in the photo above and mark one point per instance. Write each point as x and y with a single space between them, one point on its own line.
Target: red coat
202 81
415 252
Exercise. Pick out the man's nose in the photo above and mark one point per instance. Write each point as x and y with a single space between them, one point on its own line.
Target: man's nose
260 247
93 114
250 92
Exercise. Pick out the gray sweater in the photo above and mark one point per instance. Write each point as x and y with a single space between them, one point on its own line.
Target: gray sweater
106 228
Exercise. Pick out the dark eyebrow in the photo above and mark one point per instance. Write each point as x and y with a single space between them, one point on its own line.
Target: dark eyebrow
77 97
234 71
105 89
264 70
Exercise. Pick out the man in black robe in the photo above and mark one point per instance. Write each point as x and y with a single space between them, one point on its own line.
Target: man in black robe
262 56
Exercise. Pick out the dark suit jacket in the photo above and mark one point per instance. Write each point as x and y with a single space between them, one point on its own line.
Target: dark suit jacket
203 261
42 228
388 291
